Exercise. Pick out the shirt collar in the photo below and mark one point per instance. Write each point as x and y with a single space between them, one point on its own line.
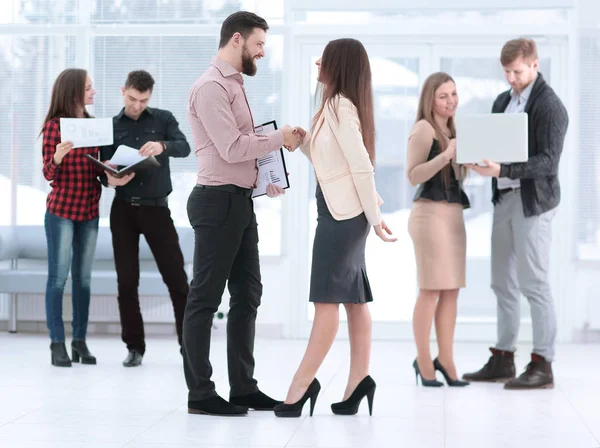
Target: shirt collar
524 95
226 69
121 114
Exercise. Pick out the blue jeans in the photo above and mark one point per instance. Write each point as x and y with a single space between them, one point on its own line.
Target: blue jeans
66 238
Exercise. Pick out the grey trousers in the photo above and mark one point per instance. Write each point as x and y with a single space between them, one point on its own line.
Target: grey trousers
520 263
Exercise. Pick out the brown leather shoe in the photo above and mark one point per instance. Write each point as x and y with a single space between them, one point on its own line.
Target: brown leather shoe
499 368
537 375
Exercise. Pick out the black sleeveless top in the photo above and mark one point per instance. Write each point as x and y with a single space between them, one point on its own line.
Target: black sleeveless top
435 190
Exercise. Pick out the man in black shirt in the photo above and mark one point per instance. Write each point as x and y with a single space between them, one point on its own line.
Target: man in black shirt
140 208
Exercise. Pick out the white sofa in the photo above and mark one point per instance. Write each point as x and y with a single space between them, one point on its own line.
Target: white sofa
24 253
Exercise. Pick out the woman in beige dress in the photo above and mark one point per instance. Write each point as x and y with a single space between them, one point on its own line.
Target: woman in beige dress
437 227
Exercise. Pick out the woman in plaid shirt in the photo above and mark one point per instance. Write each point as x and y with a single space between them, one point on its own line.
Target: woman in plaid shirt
71 220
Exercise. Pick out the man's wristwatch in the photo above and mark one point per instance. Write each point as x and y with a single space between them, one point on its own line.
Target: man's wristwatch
164 146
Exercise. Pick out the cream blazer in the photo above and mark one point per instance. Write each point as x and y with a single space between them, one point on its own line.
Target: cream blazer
342 163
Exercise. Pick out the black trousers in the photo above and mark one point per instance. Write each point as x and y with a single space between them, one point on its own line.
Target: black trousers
127 223
226 250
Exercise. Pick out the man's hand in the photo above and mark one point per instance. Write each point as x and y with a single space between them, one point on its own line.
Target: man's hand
491 169
274 190
300 131
291 139
152 149
118 181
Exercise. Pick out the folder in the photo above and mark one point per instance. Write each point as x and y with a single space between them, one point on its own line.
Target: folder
141 165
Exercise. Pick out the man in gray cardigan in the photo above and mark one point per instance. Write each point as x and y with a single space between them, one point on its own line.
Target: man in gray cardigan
525 197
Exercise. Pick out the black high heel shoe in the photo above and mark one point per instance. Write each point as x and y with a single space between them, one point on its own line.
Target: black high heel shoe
79 350
366 388
295 409
452 383
424 382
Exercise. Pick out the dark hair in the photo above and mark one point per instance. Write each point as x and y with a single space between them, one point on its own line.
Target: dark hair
518 48
68 95
242 22
140 80
345 70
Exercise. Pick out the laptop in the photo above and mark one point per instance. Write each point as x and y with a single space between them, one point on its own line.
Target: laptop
501 138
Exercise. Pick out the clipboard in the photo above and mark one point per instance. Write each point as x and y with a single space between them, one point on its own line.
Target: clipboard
271 168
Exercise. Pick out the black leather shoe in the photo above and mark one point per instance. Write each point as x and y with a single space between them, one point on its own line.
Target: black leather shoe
216 406
58 355
133 359
79 350
537 375
257 401
366 388
499 368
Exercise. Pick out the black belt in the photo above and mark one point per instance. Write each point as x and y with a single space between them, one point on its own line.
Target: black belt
157 202
233 189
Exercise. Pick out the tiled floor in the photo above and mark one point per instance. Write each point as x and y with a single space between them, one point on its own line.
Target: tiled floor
109 406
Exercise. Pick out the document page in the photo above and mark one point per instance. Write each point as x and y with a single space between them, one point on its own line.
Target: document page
87 132
125 156
271 168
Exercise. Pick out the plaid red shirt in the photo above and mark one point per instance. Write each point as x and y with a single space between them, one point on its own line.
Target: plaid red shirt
75 186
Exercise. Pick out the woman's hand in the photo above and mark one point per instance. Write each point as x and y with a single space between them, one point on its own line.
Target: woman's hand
382 231
62 149
450 151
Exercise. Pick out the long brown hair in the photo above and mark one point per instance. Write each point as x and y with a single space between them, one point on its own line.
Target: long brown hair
68 95
425 112
345 70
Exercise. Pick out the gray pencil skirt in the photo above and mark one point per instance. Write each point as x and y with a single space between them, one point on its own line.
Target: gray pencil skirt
339 273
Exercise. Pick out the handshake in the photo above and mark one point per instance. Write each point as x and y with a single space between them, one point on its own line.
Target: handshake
292 137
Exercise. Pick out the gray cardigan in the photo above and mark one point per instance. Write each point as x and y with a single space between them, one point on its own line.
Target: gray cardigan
548 122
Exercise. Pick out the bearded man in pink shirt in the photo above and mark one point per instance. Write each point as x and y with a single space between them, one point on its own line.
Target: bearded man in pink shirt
221 211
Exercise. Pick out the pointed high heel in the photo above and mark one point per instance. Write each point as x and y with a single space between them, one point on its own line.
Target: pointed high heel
80 351
295 409
366 388
452 383
424 382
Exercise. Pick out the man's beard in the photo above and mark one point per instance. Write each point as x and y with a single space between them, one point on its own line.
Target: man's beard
248 65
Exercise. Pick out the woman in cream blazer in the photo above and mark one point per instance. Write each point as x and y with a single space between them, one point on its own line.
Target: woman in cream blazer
341 149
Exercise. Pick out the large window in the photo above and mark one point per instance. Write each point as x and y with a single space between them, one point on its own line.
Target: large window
479 81
588 228
399 70
30 64
179 11
28 67
396 81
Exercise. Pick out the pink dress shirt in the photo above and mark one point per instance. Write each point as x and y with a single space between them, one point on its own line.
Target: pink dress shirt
223 129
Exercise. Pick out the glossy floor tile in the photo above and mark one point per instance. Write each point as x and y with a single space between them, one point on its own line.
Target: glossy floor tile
109 406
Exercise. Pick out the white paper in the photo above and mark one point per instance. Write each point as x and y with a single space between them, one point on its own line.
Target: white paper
271 168
86 132
126 156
